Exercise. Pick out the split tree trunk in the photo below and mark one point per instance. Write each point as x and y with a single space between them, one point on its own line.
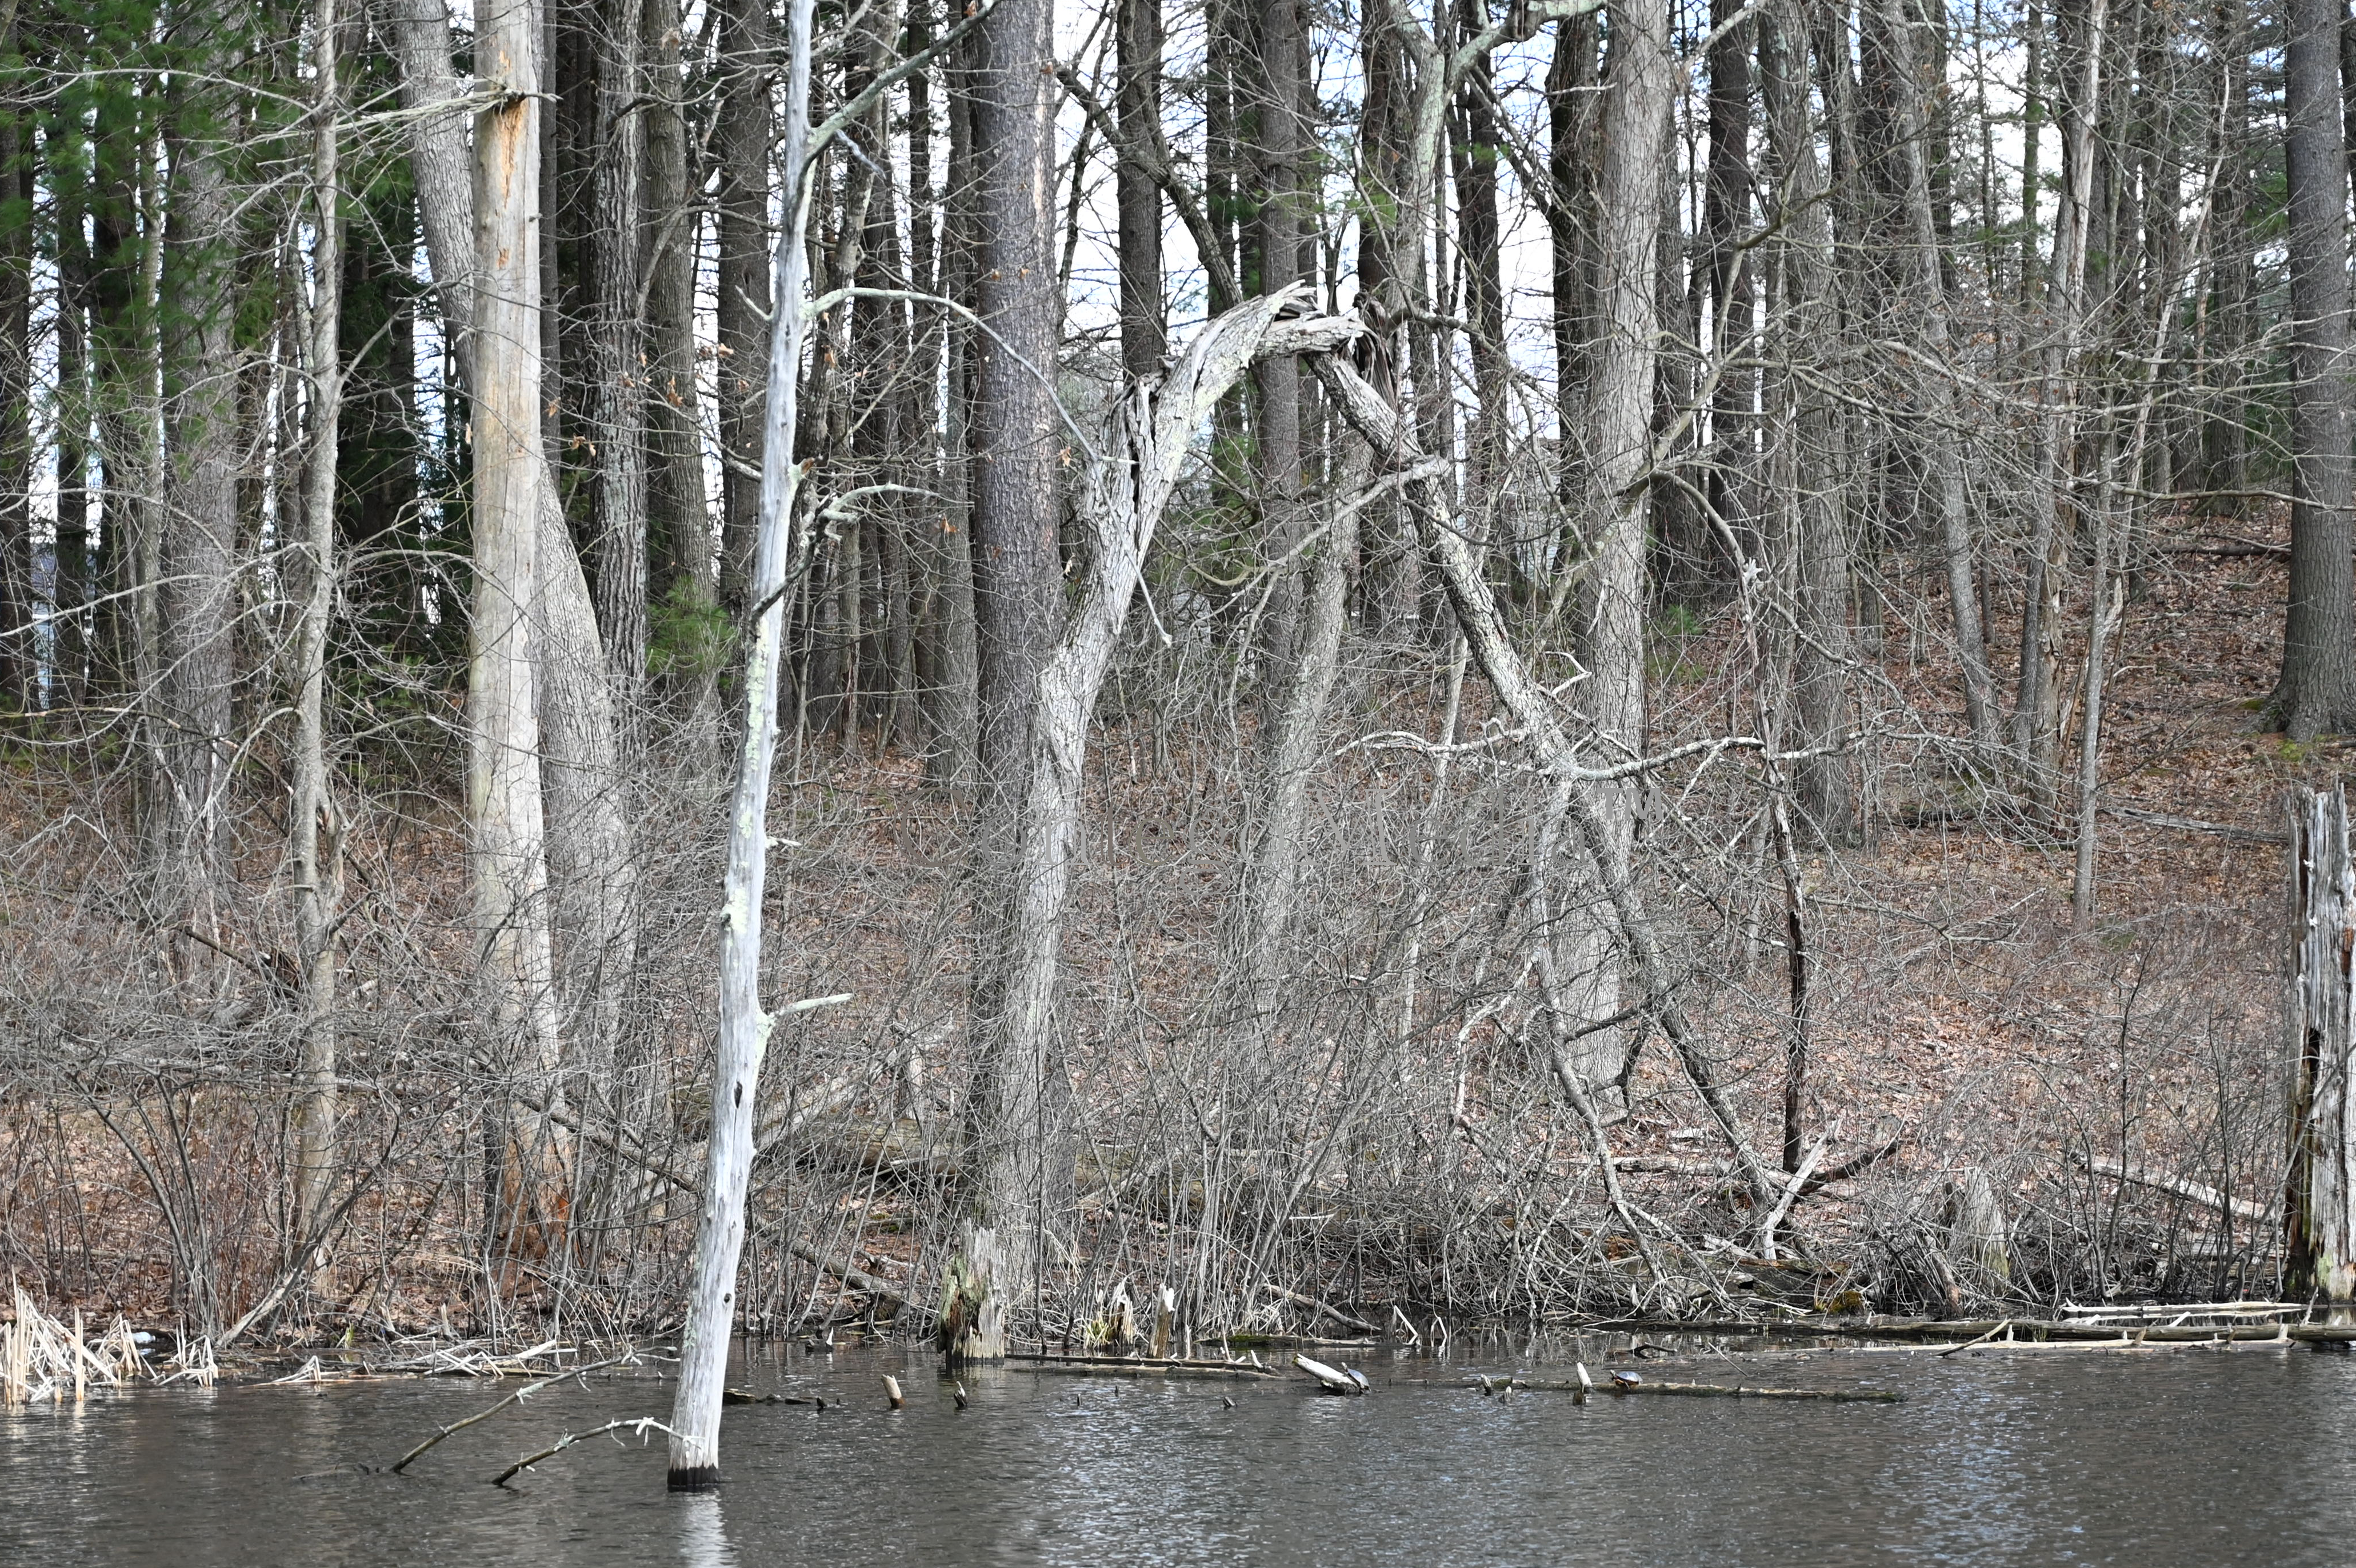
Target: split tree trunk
592 854
514 960
1128 481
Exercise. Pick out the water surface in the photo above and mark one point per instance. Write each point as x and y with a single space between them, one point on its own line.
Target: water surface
2153 1460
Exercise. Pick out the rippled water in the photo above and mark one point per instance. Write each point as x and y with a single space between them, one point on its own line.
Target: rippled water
2193 1458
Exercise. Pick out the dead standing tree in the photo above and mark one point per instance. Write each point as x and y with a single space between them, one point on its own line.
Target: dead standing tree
2319 1204
744 1035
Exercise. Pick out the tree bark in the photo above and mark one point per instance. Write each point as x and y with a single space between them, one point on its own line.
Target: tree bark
1611 626
1280 87
593 855
677 525
1810 493
618 359
198 541
2317 691
1732 285
742 309
1017 445
1571 224
1144 327
19 660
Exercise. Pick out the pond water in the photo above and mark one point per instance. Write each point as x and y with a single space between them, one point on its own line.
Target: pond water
2191 1458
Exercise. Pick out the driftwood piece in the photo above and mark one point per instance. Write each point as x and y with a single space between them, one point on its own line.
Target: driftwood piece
2144 1312
1332 1379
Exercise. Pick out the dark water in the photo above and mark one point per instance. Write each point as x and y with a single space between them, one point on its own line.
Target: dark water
2196 1458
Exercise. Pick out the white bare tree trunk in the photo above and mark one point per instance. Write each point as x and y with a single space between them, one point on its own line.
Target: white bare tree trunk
744 1026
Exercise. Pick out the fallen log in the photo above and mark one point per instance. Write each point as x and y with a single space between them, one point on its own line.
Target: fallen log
2145 1311
1946 1333
1135 1366
1621 1385
2177 1187
1331 1380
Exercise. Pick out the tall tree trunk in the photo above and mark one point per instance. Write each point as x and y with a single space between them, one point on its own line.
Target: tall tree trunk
1610 629
2036 706
1015 1143
514 960
2317 689
312 812
677 525
740 311
70 648
1726 220
1392 572
592 853
1144 326
1942 431
618 359
1280 89
198 544
19 660
744 1026
1816 526
1571 223
1480 238
954 760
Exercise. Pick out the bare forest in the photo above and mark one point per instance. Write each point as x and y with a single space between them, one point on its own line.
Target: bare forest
1154 667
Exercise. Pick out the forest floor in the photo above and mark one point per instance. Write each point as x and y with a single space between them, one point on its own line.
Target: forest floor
1957 1018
